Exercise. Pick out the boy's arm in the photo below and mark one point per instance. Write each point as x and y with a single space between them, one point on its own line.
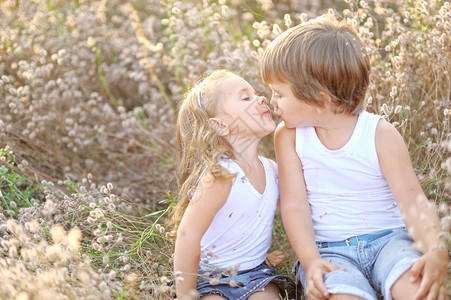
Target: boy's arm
418 214
295 212
209 197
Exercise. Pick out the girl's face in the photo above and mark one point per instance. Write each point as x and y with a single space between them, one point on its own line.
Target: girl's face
292 110
245 113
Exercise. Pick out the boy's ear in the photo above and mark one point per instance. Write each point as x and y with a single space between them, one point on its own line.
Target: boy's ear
326 100
221 128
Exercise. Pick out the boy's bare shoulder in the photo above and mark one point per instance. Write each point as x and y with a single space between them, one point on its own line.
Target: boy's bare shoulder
385 130
283 132
389 142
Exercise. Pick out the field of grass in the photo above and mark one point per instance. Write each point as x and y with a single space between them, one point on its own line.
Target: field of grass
88 95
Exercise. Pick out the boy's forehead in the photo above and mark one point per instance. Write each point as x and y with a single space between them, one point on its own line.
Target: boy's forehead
278 85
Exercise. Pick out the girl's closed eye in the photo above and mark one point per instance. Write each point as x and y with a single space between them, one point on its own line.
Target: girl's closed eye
249 97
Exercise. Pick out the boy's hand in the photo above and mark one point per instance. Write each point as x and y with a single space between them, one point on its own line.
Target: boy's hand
432 269
316 289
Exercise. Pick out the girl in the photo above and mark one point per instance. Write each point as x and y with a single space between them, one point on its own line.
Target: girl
228 194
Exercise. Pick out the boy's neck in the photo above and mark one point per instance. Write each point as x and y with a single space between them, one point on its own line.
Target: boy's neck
336 130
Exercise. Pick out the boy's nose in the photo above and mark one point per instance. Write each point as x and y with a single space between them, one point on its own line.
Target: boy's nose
273 102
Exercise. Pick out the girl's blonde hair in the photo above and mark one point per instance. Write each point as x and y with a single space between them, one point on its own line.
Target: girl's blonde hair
198 144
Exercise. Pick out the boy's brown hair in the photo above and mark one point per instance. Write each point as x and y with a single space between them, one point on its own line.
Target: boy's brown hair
323 54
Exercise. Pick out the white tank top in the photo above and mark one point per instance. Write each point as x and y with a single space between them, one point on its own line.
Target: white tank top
241 230
346 190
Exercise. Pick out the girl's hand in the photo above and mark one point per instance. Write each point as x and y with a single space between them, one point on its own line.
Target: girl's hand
275 258
316 290
431 269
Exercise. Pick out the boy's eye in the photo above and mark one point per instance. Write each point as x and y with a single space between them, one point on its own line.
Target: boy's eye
246 98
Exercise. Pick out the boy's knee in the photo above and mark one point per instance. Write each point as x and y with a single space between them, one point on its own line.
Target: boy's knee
403 288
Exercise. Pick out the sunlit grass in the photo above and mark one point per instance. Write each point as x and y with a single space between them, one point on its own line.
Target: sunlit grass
89 91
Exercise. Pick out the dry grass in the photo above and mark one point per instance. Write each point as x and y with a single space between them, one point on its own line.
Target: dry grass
88 94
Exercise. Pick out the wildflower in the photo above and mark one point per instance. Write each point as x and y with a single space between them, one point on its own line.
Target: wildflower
288 21
4 244
83 276
58 233
303 17
96 246
233 283
385 110
12 252
256 43
109 225
74 238
398 109
131 277
111 275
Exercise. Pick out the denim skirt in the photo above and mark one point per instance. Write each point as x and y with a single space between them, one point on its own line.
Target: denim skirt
242 284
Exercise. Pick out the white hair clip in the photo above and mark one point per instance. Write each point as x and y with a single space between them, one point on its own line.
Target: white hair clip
197 87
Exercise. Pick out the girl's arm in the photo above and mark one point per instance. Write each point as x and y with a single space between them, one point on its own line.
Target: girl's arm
295 212
209 197
418 214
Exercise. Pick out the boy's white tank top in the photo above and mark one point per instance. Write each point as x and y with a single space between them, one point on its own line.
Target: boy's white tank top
241 230
346 189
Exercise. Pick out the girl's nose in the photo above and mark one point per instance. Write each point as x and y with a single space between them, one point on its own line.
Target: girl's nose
261 100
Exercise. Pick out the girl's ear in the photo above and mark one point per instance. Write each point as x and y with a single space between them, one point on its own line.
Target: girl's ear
221 128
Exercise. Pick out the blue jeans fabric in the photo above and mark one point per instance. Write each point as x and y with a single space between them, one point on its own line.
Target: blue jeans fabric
371 268
244 284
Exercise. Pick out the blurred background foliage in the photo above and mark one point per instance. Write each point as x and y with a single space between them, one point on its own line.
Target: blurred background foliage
88 96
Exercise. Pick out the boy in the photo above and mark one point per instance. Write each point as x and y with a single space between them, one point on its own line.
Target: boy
345 175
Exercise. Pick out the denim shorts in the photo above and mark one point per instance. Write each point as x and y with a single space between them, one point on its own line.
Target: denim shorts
244 284
371 268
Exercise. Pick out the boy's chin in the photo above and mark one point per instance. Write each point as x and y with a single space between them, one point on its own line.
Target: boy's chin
287 125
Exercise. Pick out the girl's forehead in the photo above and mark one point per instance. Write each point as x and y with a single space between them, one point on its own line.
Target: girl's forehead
234 85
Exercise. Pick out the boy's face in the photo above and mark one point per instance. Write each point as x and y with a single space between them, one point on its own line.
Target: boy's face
293 111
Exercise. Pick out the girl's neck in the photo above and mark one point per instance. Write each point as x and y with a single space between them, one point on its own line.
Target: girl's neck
245 154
